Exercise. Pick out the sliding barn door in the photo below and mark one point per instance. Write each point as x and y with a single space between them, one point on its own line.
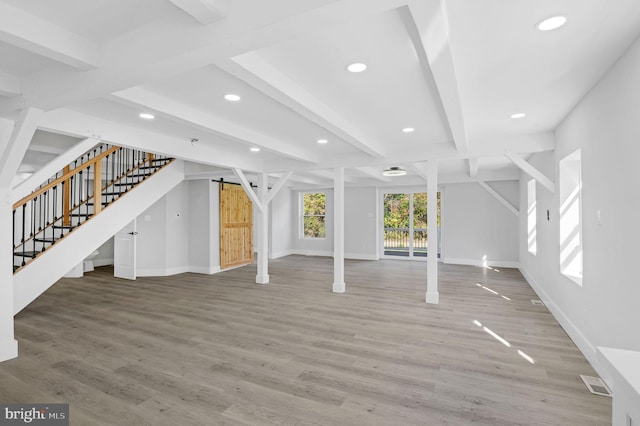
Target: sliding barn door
236 226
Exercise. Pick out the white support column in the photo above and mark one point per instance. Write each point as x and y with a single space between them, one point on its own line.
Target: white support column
338 231
263 232
8 345
432 295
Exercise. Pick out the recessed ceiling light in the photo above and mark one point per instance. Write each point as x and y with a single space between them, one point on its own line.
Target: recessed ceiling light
408 129
394 171
146 116
231 97
323 141
551 23
357 67
255 149
518 115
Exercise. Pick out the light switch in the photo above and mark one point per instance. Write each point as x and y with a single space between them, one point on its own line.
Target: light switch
599 217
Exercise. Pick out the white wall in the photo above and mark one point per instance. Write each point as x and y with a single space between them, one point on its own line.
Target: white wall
151 242
204 252
476 227
180 233
282 224
360 223
605 126
105 254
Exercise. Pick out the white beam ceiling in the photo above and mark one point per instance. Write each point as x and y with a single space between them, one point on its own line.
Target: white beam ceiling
532 171
493 147
261 75
70 122
474 163
36 35
177 111
9 85
427 26
374 173
162 49
204 11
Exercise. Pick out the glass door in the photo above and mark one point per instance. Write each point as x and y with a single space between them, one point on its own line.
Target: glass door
405 225
397 218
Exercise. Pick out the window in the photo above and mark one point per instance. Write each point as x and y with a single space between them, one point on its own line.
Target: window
571 217
531 217
313 217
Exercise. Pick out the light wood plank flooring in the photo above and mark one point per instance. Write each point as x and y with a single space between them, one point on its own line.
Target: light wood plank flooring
221 350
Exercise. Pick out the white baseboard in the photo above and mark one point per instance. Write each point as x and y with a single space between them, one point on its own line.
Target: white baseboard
480 262
161 272
583 344
281 254
102 262
204 269
323 253
313 253
360 256
8 349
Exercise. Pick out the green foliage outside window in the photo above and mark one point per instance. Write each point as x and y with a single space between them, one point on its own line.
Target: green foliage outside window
396 210
314 215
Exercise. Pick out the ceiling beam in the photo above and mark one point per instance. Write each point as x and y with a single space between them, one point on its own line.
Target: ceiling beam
176 111
419 168
41 37
278 186
486 176
261 75
12 152
78 124
374 173
328 174
500 198
204 11
474 163
168 47
249 189
428 28
532 171
9 85
495 147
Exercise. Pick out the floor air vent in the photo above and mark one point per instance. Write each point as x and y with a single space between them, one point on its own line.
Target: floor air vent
596 386
537 302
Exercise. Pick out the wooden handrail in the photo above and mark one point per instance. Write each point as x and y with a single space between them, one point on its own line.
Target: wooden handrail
64 177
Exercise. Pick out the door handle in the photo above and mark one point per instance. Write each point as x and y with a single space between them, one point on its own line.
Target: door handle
133 233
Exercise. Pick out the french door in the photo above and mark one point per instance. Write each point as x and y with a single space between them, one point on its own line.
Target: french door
405 225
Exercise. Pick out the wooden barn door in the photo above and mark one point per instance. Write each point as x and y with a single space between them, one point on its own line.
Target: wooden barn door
236 227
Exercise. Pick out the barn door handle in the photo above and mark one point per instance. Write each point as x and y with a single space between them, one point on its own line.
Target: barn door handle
133 233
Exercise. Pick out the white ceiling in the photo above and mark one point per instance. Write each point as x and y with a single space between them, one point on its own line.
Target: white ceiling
454 70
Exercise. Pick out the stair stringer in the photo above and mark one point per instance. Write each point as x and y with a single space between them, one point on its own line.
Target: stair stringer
33 280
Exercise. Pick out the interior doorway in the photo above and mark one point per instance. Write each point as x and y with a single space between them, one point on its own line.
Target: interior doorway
405 225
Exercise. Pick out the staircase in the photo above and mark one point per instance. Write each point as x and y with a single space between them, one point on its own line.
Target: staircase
79 208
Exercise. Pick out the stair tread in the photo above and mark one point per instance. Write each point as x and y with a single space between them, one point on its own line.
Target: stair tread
29 253
46 240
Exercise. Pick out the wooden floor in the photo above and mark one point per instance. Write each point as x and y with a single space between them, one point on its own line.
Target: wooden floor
220 350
